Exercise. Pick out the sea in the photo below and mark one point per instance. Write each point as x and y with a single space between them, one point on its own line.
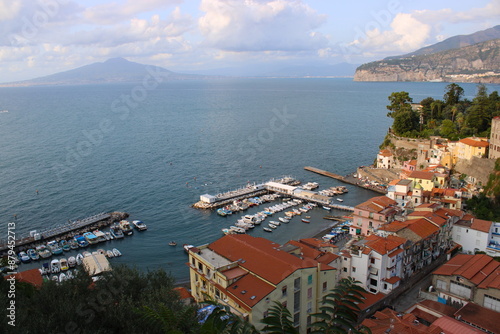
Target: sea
68 152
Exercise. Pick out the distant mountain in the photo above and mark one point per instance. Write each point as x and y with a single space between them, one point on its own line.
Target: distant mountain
115 70
474 63
455 42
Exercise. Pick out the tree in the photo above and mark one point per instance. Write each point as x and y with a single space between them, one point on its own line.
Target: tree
223 321
479 114
400 102
405 122
279 320
453 94
340 310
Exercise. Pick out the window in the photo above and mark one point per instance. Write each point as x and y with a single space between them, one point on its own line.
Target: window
200 266
324 286
309 279
296 301
283 291
193 261
353 269
309 307
372 260
308 320
460 289
458 237
309 293
344 269
296 284
296 319
492 303
385 286
373 282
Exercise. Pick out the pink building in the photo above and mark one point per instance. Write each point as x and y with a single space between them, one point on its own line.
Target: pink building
369 215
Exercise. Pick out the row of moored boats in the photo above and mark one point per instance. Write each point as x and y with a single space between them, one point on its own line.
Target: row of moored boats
242 205
248 222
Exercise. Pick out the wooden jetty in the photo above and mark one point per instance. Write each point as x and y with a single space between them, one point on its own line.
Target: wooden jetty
343 179
63 231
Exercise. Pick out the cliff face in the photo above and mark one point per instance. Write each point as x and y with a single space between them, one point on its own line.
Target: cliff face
475 63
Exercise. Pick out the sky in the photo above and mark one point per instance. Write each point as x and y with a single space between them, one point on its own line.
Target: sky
42 37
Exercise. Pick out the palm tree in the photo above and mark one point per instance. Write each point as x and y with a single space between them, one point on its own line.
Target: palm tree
168 320
223 321
340 310
279 321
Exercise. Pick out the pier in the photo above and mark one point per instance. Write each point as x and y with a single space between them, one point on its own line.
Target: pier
348 180
62 231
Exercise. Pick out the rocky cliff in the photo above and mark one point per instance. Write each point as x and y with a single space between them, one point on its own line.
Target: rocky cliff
475 63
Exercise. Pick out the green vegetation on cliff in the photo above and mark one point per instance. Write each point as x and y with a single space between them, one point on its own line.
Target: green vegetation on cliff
453 117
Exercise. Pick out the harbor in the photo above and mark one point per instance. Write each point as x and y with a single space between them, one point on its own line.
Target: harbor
63 231
346 179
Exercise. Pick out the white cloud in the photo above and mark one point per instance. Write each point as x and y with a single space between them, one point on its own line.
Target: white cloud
9 9
263 25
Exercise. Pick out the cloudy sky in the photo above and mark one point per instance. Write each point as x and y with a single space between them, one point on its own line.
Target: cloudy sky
41 37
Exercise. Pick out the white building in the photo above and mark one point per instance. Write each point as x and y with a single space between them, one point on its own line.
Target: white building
385 159
472 234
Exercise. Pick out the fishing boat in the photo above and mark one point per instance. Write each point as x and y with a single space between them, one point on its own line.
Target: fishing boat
116 252
100 235
267 229
45 270
139 225
307 221
275 223
33 254
62 277
109 236
172 243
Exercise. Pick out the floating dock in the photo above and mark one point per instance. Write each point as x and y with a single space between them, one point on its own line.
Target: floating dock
64 231
352 181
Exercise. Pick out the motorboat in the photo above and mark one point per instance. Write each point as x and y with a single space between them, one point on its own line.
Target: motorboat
101 237
63 264
116 231
64 245
69 275
43 252
54 266
307 221
45 270
116 252
267 229
73 244
79 259
86 254
172 243
33 254
25 258
126 228
139 225
54 247
227 231
110 254
272 226
71 261
81 241
108 235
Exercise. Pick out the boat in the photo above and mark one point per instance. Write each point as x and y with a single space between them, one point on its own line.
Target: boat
284 220
63 264
64 245
267 229
172 243
69 275
187 247
73 244
116 231
126 228
62 277
55 278
275 223
54 247
100 251
100 235
33 254
272 226
91 238
71 261
45 270
86 254
81 241
227 231
326 208
340 199
25 258
139 225
307 221
116 252
110 254
79 259
43 252
54 266
108 235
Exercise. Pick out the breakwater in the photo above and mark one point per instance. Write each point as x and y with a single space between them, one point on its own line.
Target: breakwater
349 179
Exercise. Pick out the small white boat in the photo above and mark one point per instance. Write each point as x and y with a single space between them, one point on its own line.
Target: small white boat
267 229
139 225
109 236
340 199
110 254
55 278
283 220
69 275
54 266
79 259
326 208
275 223
272 226
71 261
62 277
116 252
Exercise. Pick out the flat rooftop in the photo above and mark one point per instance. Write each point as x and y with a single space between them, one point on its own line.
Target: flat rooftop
213 258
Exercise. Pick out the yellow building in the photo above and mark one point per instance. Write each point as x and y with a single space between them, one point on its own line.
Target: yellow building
471 147
424 179
248 274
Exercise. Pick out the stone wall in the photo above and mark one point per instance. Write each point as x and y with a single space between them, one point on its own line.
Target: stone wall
478 168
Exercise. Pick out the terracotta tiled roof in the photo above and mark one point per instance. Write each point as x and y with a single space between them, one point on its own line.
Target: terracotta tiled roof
422 228
316 243
260 256
306 250
327 258
370 299
474 143
376 204
479 316
385 153
234 273
384 245
441 308
450 325
183 292
421 175
389 321
475 268
393 226
481 225
392 280
492 281
249 290
394 182
31 276
399 251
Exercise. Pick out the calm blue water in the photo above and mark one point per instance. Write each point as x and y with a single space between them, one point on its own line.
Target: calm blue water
86 151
